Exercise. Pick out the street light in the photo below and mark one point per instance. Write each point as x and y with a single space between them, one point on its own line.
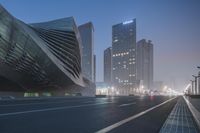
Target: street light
192 86
198 67
195 83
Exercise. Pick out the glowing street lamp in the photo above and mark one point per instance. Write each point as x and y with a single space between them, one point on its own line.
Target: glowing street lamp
165 88
142 87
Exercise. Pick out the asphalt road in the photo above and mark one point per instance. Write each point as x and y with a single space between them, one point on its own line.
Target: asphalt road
145 114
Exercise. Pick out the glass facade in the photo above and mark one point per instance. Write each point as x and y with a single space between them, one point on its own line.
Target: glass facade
124 56
145 63
108 66
87 38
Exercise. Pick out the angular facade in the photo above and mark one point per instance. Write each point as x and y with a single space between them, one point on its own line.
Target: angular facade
41 56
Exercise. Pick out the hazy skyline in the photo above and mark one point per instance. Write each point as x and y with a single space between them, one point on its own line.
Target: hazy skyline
172 25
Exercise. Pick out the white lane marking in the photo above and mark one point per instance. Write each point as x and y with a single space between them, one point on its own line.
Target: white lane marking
52 109
22 104
127 104
111 127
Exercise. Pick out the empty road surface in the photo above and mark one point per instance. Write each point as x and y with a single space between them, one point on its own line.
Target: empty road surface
138 114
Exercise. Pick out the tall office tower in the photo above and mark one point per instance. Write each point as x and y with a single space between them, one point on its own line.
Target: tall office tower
108 66
87 37
124 57
94 68
145 63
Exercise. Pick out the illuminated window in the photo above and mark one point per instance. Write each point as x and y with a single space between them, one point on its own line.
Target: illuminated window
128 22
115 40
124 66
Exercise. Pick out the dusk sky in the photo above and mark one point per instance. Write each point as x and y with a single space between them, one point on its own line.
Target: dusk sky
172 25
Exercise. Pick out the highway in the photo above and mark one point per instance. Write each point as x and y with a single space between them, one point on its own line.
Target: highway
138 114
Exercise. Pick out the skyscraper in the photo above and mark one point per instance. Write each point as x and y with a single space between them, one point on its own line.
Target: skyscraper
87 37
124 57
145 63
94 68
108 66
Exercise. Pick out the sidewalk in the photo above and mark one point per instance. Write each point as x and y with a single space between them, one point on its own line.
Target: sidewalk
180 120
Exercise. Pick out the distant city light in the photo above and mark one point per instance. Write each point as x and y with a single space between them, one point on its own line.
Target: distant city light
128 22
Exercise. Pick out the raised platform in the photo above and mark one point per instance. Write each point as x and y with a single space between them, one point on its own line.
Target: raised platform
180 120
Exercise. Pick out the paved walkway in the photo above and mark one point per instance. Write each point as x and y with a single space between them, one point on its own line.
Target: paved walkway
180 120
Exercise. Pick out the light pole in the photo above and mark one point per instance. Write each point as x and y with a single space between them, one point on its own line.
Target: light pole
198 80
192 86
195 83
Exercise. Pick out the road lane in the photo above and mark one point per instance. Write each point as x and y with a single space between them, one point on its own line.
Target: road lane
51 109
150 122
20 107
83 119
124 121
9 108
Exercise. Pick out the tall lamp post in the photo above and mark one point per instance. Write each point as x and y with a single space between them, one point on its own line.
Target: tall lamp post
192 87
198 83
198 80
195 84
